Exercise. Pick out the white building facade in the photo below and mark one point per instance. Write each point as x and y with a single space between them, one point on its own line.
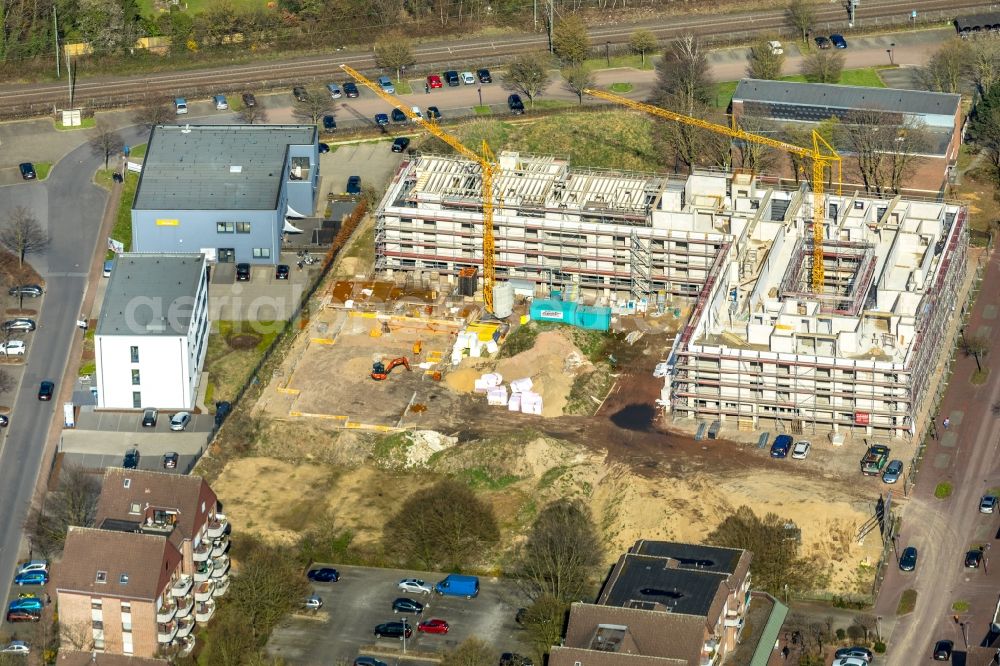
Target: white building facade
152 334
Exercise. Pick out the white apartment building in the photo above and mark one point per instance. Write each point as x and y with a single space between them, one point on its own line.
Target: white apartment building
152 333
760 344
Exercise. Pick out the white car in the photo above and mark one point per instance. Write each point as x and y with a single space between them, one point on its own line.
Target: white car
776 48
34 565
180 420
414 585
313 602
850 661
12 348
17 647
468 78
800 450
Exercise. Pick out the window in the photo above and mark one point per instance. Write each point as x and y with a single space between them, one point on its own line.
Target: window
96 604
126 606
242 227
135 378
225 227
135 508
261 252
102 577
98 625
136 399
134 351
126 642
123 579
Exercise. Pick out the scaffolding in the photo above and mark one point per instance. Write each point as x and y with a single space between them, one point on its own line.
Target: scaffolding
848 270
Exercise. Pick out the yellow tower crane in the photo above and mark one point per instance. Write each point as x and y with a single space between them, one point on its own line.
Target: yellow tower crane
820 161
487 165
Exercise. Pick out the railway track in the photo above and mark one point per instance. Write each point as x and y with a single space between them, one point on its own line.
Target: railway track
107 92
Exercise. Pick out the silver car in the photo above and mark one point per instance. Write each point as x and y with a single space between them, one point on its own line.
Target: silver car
180 420
892 472
988 504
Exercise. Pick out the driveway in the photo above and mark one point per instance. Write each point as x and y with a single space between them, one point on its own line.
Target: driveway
363 599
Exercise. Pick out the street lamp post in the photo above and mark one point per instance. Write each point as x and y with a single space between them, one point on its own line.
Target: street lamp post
404 634
607 52
965 633
889 50
480 95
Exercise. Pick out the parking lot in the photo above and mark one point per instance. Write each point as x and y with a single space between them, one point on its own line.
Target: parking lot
363 599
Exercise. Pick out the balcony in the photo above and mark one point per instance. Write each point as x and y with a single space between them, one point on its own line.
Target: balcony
204 611
184 626
166 632
183 647
204 592
167 610
203 572
217 526
202 552
185 605
220 566
221 586
182 586
220 546
736 621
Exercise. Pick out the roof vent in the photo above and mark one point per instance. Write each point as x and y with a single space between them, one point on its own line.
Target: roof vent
235 168
187 129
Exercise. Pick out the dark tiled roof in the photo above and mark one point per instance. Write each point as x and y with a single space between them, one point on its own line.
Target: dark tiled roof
115 564
648 633
567 656
832 96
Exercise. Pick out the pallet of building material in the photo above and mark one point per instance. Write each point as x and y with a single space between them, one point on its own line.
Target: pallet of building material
521 385
745 425
531 403
492 379
497 396
514 404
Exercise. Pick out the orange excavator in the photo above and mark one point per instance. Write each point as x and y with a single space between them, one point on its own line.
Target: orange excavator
381 371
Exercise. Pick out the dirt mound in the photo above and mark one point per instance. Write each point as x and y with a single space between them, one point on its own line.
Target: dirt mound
462 380
243 341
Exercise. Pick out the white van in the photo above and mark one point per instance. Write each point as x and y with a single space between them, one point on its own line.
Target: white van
180 105
417 114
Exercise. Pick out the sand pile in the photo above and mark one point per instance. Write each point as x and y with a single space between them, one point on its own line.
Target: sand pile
463 379
552 364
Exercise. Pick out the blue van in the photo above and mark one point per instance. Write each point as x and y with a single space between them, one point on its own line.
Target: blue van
455 585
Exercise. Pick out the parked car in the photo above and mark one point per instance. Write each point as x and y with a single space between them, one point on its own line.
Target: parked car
416 112
242 272
393 630
170 460
457 585
973 558
108 267
354 185
17 647
801 450
180 420
351 89
433 113
414 585
27 170
515 104
335 91
324 575
28 603
822 42
451 78
856 651
131 459
363 660
249 99
988 504
781 446
27 290
222 409
892 472
23 616
398 116
381 119
468 79
33 565
434 626
149 417
300 94
849 661
221 104
180 106
313 602
322 148
329 123
4 421
45 390
400 144
385 83
776 47
12 348
22 324
908 560
31 578
281 272
942 650
838 41
404 605
434 81
484 75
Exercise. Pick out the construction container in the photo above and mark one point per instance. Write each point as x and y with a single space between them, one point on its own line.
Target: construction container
468 281
593 318
553 309
503 300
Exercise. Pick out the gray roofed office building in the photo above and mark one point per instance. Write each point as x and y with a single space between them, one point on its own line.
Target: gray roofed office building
224 190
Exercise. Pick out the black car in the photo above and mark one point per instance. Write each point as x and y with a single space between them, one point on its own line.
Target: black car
281 272
515 104
329 124
149 418
131 460
324 575
404 605
27 170
823 42
484 75
351 89
451 78
323 148
170 460
515 659
249 99
855 651
300 94
398 116
45 390
973 559
393 630
433 113
222 409
519 615
29 290
400 144
354 185
942 650
243 272
381 119
908 560
838 41
368 661
4 421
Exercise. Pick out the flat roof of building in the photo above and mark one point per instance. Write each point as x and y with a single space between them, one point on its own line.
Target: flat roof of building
653 583
715 559
151 294
832 96
216 167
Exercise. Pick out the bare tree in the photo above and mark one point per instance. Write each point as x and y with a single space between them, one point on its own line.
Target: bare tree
946 68
72 504
544 622
106 141
155 111
802 15
563 551
528 75
23 234
886 152
976 346
316 104
642 42
393 52
471 652
268 587
764 61
823 66
570 41
984 63
577 79
985 129
756 157
7 382
253 114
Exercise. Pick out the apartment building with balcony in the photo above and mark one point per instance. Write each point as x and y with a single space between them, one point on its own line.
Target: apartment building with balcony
152 569
665 603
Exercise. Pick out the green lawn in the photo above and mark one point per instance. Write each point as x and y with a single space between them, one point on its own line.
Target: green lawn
483 110
137 151
229 366
198 6
403 87
122 230
42 169
85 123
621 88
634 61
866 76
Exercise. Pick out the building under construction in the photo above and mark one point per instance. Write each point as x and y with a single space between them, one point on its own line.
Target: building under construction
762 343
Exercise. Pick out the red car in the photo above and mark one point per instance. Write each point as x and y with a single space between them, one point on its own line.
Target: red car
434 626
22 616
434 81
